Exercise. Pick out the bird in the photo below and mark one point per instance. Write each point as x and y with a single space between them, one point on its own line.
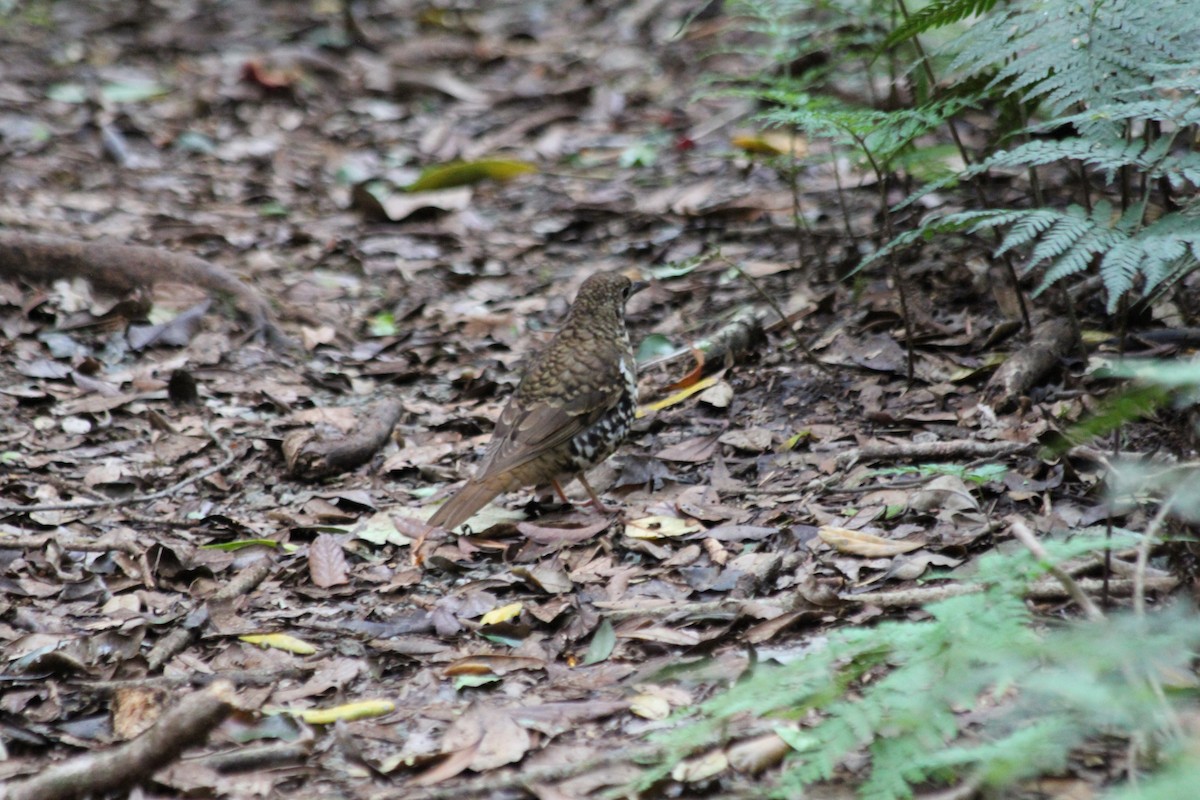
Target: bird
571 409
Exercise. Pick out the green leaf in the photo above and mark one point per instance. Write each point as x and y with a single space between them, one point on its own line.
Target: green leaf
466 173
383 324
133 91
273 208
242 544
653 346
604 641
195 142
643 154
67 92
471 681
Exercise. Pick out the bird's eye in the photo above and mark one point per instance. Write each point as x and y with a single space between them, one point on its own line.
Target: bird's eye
626 290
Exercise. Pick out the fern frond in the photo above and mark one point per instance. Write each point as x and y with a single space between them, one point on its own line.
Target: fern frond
1067 53
1068 230
937 14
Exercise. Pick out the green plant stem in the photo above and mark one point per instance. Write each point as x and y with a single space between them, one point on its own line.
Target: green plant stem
808 354
882 177
976 180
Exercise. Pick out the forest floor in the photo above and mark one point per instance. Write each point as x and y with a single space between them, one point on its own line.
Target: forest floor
142 440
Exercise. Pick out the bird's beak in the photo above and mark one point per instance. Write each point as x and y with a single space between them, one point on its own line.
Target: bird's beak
636 287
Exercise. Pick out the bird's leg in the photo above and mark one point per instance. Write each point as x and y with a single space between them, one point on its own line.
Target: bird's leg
596 504
558 490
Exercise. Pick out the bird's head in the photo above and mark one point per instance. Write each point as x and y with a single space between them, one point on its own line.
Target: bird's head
603 295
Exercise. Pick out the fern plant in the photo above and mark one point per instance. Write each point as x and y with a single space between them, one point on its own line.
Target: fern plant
905 690
1124 76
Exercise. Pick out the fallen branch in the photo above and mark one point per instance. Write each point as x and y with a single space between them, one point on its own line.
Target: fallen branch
489 785
1045 589
186 725
251 759
181 636
726 347
124 268
1023 534
1052 340
238 677
923 451
310 455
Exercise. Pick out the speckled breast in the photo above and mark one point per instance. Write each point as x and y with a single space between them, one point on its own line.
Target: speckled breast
599 441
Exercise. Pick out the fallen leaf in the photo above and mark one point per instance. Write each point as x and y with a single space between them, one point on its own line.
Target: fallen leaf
678 397
868 545
327 561
465 173
502 614
756 440
492 664
695 770
660 527
602 644
719 395
363 709
649 706
280 641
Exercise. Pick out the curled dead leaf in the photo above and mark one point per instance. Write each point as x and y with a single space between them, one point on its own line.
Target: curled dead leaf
857 543
660 527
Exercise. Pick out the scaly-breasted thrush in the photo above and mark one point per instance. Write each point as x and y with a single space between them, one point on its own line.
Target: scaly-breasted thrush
572 408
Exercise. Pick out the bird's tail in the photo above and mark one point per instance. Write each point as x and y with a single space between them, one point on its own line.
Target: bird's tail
460 508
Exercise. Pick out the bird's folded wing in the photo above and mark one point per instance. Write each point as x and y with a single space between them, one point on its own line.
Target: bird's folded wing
523 434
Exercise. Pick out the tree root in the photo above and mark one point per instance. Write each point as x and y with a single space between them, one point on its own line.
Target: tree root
181 727
124 268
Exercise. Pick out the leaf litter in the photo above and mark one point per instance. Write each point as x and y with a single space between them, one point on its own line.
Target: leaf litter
152 540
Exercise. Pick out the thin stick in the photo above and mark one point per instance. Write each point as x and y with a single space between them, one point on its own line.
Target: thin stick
1022 533
84 505
808 354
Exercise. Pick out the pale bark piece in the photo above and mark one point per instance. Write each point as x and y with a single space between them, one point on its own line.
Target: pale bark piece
310 455
1052 340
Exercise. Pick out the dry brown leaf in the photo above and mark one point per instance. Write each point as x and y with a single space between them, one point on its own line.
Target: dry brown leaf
695 450
327 561
492 664
496 737
857 543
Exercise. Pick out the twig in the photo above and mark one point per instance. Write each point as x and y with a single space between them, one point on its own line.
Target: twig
1143 557
490 785
963 791
1022 533
238 677
84 505
709 609
181 636
956 448
808 354
250 759
181 727
1046 589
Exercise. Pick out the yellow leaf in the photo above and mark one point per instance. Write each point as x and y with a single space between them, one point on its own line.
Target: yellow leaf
679 397
280 641
650 706
697 770
857 543
363 709
771 143
465 173
502 614
661 527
